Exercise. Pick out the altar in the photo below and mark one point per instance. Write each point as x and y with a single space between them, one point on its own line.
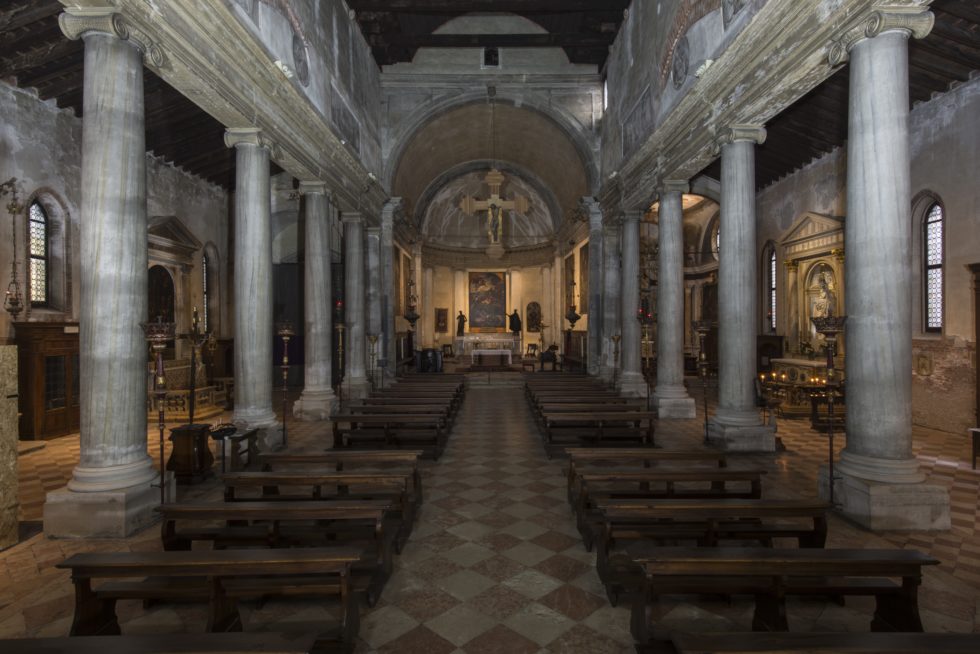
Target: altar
465 345
795 381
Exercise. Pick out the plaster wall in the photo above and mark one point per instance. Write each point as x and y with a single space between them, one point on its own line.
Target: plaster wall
343 82
40 144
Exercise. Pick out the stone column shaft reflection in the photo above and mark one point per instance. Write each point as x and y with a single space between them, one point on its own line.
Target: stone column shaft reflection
631 381
672 398
612 304
595 300
354 314
386 344
318 400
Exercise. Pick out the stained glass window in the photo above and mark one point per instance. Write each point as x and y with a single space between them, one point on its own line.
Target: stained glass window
772 290
38 247
933 259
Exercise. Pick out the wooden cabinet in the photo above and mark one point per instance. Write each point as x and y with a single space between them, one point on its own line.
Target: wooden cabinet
47 356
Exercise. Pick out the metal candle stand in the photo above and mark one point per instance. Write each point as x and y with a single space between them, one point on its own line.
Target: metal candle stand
13 300
157 334
702 327
197 340
285 331
831 327
340 327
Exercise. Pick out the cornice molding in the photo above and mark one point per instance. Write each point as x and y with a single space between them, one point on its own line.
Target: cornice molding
915 21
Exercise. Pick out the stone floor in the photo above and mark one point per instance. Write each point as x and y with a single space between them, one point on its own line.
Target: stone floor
495 563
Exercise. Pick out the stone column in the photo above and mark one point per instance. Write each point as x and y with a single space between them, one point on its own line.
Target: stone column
792 305
317 400
253 284
372 293
110 493
612 304
672 398
427 307
737 425
594 300
355 378
879 477
631 381
387 357
547 309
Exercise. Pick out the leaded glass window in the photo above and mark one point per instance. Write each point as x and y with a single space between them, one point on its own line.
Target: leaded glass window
38 248
933 258
772 290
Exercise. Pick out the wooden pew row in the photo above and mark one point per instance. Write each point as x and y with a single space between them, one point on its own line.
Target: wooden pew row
598 428
607 487
705 522
582 458
218 577
397 430
824 643
891 576
394 488
363 525
224 643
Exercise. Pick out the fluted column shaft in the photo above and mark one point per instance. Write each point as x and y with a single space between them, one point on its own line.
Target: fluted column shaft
253 281
354 313
672 398
595 302
879 284
631 382
318 400
737 274
612 304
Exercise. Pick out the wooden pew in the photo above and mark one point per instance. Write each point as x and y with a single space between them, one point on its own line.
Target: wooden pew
228 643
389 430
824 643
288 524
580 458
609 486
385 406
392 487
602 427
218 577
772 574
706 522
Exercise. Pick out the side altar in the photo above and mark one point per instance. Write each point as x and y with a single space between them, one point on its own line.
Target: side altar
801 385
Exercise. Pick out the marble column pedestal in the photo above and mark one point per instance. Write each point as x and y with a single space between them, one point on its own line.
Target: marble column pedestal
742 438
675 408
315 405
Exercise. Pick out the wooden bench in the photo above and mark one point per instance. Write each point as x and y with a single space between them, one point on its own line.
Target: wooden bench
610 486
824 643
706 522
580 457
218 577
230 643
394 488
353 523
390 430
601 427
772 574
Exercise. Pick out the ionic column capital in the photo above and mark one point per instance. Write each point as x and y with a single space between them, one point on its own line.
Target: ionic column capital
313 188
235 136
740 132
351 217
592 209
632 216
77 22
914 21
674 186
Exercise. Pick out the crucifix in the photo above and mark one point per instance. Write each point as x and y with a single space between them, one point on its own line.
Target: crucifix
494 205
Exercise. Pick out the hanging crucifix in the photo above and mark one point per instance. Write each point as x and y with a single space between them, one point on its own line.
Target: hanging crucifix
494 205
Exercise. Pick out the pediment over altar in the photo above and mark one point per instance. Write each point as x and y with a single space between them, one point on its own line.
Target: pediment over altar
813 232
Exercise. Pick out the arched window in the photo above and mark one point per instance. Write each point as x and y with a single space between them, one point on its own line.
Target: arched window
932 273
771 319
204 290
38 224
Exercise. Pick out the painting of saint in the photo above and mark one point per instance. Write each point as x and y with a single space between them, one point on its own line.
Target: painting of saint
488 294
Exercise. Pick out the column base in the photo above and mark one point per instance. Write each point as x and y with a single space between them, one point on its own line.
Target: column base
357 388
270 429
114 513
676 408
881 506
315 405
632 384
741 438
607 373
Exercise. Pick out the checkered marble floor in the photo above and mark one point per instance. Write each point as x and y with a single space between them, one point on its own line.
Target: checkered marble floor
495 563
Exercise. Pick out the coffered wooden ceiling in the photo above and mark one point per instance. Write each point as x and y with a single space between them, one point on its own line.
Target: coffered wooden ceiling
35 54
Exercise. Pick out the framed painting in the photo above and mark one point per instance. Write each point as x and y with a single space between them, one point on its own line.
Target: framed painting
442 321
488 297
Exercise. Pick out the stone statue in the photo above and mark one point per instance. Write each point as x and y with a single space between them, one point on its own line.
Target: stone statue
823 305
515 322
460 321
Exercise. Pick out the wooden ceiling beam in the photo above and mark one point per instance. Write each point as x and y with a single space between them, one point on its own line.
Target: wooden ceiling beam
40 56
29 11
963 10
14 42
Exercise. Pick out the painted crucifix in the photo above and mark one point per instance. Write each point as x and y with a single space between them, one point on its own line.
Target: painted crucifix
494 205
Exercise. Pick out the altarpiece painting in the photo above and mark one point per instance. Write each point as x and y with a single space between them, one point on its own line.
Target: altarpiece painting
488 298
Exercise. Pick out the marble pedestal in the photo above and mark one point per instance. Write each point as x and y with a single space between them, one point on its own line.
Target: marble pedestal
358 389
632 384
881 506
315 405
104 514
676 408
740 438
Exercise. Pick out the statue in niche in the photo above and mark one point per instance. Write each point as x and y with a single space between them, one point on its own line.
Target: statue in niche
460 324
822 293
